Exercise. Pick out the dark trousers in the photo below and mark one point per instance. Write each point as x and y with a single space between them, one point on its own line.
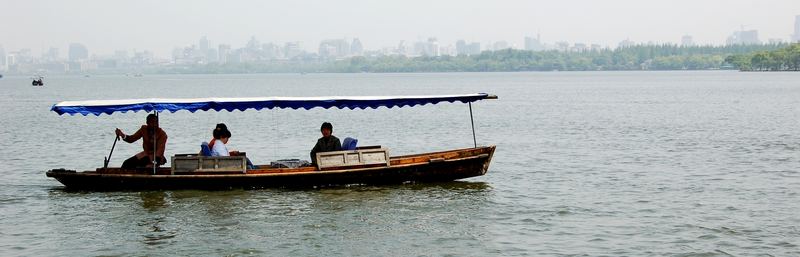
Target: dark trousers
133 162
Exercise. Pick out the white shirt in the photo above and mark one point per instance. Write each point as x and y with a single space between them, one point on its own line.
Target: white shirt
219 149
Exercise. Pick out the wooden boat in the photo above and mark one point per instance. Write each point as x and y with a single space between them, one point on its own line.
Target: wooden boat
425 167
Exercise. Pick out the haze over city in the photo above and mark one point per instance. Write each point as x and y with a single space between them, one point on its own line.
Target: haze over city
105 27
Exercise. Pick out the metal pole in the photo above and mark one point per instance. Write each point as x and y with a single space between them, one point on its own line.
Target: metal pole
472 121
155 144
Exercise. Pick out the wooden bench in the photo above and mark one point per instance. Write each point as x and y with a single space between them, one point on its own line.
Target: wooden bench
193 163
361 156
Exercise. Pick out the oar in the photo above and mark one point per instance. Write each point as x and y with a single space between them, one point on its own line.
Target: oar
108 159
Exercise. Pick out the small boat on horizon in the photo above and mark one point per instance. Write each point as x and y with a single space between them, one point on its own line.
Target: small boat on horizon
370 165
37 81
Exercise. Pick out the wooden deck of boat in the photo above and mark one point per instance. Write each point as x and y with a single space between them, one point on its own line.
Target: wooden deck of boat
402 160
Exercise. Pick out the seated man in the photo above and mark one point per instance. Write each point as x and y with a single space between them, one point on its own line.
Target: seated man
326 143
147 133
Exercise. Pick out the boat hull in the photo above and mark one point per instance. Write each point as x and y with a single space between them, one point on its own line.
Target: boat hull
429 167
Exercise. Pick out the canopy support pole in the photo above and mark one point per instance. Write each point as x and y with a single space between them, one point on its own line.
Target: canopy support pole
155 145
472 121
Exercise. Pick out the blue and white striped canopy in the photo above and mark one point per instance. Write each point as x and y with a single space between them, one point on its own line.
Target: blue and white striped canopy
109 107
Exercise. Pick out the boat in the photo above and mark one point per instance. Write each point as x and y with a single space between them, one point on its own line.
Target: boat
367 165
37 81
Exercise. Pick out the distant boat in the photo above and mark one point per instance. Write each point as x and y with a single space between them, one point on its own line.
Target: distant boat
138 75
86 76
1 76
37 81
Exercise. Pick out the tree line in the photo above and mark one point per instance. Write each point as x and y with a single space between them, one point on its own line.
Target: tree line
639 57
782 59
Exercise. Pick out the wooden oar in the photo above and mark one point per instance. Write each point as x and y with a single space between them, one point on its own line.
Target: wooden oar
108 159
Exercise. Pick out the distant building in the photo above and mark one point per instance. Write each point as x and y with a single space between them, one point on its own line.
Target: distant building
626 43
562 46
744 37
474 48
500 45
204 46
796 37
121 55
253 44
356 48
3 57
448 50
51 55
464 48
334 48
224 52
142 58
461 47
11 60
292 49
534 44
427 48
271 51
579 47
78 52
687 40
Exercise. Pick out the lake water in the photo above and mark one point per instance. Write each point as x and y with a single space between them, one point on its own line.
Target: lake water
587 163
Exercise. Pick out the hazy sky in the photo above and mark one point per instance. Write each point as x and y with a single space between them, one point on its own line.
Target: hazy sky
104 26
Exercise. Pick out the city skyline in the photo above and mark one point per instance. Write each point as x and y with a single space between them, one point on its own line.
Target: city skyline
160 27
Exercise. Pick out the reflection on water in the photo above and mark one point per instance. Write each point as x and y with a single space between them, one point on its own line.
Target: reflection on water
153 200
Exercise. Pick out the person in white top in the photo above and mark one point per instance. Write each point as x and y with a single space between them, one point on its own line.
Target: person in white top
220 149
221 137
219 146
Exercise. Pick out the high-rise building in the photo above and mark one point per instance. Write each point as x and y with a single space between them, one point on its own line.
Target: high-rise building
461 47
78 52
687 40
203 44
534 44
204 48
474 48
796 37
356 48
51 55
224 51
433 47
744 37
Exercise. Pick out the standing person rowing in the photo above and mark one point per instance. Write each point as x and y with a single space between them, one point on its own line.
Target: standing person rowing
148 133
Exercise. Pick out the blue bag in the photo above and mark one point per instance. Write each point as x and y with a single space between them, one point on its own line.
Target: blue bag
349 143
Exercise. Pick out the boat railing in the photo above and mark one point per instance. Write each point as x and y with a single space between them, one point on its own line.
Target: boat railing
193 163
348 158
